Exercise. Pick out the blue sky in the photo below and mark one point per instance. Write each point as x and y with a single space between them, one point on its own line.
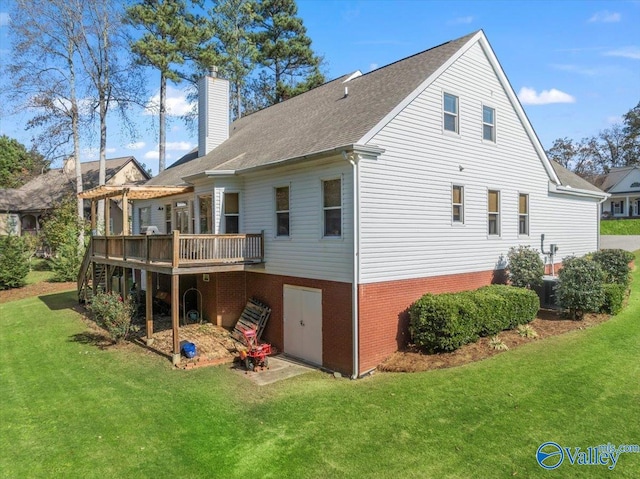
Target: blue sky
575 65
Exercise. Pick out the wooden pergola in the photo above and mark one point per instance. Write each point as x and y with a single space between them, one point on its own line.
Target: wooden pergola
126 193
136 192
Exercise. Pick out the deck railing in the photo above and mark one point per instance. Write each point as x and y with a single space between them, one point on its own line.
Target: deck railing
181 249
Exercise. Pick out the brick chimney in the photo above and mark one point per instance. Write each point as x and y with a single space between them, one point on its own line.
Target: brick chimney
213 111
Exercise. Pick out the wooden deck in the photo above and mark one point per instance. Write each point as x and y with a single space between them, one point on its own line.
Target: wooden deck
178 251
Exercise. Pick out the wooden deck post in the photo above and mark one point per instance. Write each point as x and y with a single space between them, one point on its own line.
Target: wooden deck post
149 307
125 214
175 257
107 216
93 217
175 311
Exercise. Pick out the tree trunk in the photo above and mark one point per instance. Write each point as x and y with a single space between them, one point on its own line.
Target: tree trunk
163 133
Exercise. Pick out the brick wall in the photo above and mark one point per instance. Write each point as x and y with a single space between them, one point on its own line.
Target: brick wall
383 307
336 315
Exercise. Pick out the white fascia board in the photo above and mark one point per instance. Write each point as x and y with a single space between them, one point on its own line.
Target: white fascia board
355 74
620 180
568 190
220 172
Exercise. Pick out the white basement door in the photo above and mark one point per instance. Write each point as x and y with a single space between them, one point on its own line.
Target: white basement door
303 323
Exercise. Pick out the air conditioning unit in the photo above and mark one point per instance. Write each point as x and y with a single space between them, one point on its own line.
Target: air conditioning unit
151 230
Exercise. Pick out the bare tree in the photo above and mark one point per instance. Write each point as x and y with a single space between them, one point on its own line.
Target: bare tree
44 76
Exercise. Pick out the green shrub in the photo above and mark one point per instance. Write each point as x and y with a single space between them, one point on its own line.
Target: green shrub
444 322
113 313
613 298
525 267
580 286
615 264
14 265
67 260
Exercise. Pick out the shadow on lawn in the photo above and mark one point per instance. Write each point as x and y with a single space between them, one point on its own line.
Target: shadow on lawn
60 301
93 338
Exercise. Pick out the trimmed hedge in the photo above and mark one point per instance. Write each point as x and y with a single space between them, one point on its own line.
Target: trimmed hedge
444 322
615 264
613 298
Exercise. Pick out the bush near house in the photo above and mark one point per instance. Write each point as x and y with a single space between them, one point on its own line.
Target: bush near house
444 322
526 268
14 265
580 286
613 298
113 313
615 264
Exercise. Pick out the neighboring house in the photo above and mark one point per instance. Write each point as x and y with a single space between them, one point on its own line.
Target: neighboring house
623 184
363 194
22 209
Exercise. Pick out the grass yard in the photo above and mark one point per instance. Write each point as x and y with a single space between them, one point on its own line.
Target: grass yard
620 227
70 409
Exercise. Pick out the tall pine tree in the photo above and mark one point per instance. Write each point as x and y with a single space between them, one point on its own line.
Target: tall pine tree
172 36
289 65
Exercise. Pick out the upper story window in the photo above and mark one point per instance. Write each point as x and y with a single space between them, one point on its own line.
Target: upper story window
231 213
457 204
332 207
488 123
523 214
282 211
493 211
450 113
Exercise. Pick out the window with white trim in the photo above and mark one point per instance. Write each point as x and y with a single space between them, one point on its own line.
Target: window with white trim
282 211
450 113
493 211
144 218
206 217
332 207
523 214
167 218
457 204
231 213
488 123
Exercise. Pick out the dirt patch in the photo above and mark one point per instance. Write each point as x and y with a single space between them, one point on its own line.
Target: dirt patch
37 289
548 323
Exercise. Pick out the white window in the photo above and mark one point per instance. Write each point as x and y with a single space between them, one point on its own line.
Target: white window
167 218
332 207
494 212
450 113
523 214
231 213
144 218
457 204
488 123
282 211
204 204
617 207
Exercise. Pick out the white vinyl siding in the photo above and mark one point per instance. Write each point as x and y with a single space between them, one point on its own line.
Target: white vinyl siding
305 254
405 214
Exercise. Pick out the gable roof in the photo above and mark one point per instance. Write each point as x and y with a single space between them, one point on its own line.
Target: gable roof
45 190
609 180
569 178
319 120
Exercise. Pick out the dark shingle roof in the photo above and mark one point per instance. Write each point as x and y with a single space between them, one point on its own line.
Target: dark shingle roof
318 120
614 177
45 190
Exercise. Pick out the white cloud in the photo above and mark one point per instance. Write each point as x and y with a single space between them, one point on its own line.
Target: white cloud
576 69
138 145
176 103
461 20
632 52
110 150
151 155
528 96
605 16
179 145
4 19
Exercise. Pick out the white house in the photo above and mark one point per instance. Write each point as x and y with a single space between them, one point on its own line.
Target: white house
623 184
367 192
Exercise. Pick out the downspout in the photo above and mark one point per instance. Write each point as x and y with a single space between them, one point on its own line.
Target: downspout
352 158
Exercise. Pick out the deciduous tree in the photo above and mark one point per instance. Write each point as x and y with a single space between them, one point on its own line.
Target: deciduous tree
17 164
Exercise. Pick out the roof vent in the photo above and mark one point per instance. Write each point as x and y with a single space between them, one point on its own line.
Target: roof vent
346 91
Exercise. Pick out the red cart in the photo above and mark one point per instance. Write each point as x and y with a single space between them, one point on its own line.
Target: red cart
255 356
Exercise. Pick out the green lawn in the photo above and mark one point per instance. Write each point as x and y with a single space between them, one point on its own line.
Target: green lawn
620 227
70 410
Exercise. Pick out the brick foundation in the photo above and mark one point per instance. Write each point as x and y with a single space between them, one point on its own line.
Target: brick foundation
383 310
